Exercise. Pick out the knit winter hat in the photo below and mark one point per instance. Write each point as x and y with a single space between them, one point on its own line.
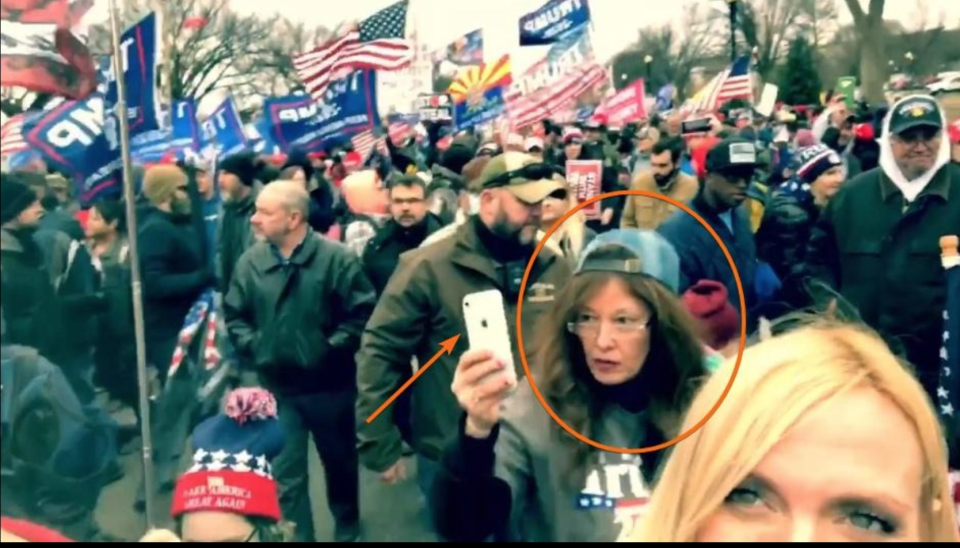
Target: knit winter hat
244 166
815 161
232 471
15 198
572 134
708 302
161 182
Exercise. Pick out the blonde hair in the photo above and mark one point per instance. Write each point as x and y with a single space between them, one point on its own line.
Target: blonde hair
780 381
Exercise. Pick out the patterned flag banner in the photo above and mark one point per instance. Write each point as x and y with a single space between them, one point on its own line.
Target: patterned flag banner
553 22
948 393
74 139
184 127
478 93
11 136
626 106
299 122
735 82
564 58
365 142
223 132
378 43
530 109
138 47
468 50
42 50
201 319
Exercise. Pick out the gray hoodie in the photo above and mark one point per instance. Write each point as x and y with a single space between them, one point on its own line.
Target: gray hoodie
603 503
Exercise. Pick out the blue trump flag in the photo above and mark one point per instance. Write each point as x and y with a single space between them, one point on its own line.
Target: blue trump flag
467 50
138 47
185 132
553 22
77 139
298 122
222 132
948 393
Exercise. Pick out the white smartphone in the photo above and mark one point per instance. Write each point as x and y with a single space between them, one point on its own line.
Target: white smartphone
486 319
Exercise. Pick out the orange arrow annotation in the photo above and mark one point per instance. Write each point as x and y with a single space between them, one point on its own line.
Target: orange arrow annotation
447 348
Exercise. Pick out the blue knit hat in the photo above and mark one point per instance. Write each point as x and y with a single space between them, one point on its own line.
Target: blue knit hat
653 256
232 471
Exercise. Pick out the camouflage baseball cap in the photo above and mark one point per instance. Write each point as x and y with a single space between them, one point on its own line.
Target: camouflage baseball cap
524 176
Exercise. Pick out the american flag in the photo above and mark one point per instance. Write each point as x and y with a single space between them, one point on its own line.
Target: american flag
527 110
11 136
365 141
378 43
202 317
948 393
735 82
399 132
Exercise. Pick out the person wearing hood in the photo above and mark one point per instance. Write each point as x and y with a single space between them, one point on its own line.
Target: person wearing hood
793 211
877 242
237 180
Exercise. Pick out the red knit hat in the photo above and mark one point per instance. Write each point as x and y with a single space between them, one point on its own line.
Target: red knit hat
231 471
708 302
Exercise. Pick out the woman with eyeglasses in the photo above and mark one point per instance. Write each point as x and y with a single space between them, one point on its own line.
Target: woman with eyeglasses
618 361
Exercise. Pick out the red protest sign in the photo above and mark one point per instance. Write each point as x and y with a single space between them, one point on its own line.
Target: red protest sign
626 106
585 178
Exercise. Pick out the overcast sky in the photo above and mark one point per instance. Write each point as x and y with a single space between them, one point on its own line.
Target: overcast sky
616 22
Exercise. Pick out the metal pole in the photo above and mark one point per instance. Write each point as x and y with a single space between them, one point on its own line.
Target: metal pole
733 30
136 285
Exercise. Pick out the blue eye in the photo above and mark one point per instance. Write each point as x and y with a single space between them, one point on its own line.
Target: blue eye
872 523
743 497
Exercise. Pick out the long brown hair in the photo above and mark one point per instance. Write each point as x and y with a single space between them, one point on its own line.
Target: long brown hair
673 368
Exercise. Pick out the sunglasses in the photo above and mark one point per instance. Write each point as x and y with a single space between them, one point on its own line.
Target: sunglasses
532 172
918 135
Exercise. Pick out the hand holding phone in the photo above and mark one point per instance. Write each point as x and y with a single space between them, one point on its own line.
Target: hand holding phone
486 318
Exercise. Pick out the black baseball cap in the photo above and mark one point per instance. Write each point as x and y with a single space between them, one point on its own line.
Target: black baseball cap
733 155
915 112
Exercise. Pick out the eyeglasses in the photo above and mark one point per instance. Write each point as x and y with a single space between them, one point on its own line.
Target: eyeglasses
623 328
408 201
532 172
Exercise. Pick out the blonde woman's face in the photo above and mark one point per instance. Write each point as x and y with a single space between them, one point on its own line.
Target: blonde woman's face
850 471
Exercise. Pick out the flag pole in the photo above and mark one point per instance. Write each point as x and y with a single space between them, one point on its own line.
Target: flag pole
136 284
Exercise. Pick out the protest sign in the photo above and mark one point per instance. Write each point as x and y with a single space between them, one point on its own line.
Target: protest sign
847 87
185 132
435 108
585 178
768 101
556 20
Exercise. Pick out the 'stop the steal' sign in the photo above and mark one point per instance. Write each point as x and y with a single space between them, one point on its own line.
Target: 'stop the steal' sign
553 22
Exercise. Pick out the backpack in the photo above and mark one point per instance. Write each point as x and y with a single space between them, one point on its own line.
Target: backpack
50 442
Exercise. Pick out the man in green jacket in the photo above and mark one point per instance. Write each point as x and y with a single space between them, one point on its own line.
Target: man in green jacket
878 242
422 307
295 312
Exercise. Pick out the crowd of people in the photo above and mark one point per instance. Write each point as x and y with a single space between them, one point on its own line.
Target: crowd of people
319 287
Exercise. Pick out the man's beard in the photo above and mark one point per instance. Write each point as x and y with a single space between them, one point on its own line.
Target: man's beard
664 180
523 236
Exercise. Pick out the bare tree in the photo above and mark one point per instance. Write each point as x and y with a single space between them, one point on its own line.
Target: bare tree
209 47
767 26
674 52
820 20
874 68
923 51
